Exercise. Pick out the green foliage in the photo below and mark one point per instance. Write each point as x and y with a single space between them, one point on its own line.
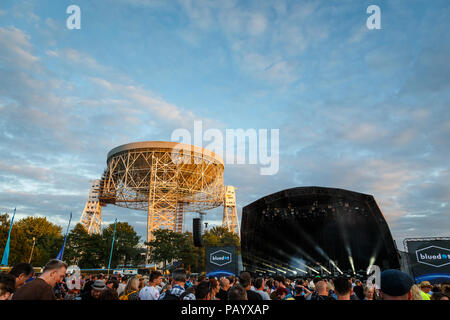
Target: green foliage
125 244
169 245
48 236
84 250
166 246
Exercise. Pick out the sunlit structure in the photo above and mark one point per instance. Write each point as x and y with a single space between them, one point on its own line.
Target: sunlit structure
230 217
91 219
166 179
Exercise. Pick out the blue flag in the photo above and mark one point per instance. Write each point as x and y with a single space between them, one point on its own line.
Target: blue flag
112 244
6 252
61 252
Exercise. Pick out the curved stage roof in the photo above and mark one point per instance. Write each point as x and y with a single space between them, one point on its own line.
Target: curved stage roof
311 225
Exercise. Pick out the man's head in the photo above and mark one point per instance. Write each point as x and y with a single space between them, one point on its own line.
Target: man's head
54 272
396 285
425 286
260 283
202 290
97 287
179 276
7 285
112 284
237 292
22 272
156 277
322 288
225 284
343 288
245 280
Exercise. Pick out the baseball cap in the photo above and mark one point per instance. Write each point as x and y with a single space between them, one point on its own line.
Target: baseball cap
395 283
98 285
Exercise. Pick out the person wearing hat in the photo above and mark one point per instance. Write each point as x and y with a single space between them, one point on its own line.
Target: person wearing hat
425 287
96 289
396 285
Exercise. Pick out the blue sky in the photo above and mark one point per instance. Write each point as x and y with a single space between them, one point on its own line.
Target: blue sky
364 110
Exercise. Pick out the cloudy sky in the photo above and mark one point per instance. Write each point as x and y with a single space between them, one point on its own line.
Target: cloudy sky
364 110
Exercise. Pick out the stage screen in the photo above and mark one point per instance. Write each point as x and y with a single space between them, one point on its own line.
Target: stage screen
221 261
429 259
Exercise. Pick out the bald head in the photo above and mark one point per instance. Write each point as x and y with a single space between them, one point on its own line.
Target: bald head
322 288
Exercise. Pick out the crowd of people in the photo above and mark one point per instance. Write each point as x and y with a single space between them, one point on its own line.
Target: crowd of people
21 283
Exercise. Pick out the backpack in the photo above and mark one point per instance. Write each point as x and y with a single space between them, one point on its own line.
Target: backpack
125 296
170 296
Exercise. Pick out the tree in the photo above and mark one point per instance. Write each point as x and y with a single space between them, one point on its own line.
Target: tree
167 246
84 250
125 244
48 236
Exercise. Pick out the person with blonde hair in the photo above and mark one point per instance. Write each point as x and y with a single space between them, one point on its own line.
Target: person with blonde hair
131 291
416 292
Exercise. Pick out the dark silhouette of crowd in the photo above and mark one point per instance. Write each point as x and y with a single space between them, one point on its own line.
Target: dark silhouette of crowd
54 283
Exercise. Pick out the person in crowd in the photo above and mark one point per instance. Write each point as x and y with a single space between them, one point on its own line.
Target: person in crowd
108 294
359 291
177 292
22 272
237 292
416 292
131 291
96 289
321 292
232 280
425 288
245 282
224 287
439 296
112 284
73 294
42 287
7 286
88 284
283 294
151 291
202 292
188 282
214 288
369 293
122 285
396 285
343 288
260 285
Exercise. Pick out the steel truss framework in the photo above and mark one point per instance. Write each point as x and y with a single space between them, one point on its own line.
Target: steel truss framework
230 217
164 180
91 219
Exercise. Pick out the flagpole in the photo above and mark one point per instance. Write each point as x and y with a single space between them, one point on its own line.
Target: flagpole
61 252
6 252
112 244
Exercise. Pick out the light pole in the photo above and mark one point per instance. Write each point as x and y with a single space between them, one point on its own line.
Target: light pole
32 249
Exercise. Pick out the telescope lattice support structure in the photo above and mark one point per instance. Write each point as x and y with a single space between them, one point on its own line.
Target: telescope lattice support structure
165 179
91 219
230 218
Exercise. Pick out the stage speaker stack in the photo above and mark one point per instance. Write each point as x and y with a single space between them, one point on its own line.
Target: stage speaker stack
197 232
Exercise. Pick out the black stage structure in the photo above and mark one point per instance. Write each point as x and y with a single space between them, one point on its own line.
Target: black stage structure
326 229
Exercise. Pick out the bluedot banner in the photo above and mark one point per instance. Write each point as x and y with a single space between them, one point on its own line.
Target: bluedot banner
221 261
429 259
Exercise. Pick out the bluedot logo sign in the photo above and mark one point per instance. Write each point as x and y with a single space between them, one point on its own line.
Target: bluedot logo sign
220 257
433 256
